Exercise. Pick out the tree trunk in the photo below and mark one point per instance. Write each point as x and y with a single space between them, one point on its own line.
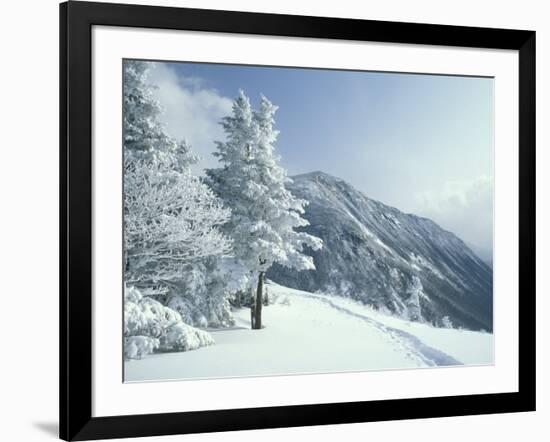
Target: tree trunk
257 312
239 299
252 308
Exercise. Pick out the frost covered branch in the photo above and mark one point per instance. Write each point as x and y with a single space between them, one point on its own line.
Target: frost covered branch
171 219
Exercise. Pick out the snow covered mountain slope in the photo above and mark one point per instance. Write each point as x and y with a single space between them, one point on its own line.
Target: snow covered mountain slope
393 261
313 333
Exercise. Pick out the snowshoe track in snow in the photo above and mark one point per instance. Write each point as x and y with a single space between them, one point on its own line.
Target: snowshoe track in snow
414 347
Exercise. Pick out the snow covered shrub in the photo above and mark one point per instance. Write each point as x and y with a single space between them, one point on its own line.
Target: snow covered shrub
149 326
203 293
137 346
135 320
221 316
446 322
183 337
160 318
183 306
202 308
188 294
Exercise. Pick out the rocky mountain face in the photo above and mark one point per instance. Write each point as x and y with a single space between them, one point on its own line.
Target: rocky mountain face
394 261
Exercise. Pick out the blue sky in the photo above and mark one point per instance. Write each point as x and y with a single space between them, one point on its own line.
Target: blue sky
421 143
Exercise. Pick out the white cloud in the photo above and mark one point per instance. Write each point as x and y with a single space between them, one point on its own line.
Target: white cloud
192 111
466 209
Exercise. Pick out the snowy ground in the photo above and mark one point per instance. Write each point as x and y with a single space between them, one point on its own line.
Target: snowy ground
311 333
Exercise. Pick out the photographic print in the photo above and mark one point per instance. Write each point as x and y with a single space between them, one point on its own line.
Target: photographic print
288 220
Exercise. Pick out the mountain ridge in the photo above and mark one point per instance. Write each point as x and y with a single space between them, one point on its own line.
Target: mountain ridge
395 261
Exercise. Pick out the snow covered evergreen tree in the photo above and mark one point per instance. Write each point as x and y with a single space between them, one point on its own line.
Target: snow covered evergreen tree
264 214
446 322
415 292
145 136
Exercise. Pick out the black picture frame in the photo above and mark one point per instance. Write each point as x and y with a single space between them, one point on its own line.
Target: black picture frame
76 21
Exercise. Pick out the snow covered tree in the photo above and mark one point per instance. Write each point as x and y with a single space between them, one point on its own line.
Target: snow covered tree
415 292
145 136
171 220
446 322
264 214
